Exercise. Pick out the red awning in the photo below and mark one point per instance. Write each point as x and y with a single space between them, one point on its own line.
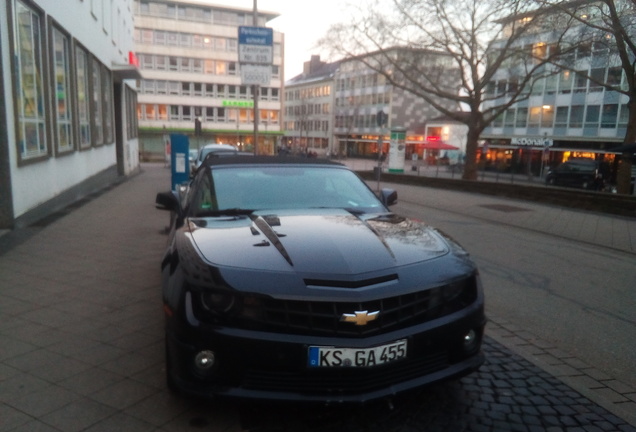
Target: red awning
437 145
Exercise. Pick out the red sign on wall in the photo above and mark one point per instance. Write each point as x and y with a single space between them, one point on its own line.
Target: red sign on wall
133 59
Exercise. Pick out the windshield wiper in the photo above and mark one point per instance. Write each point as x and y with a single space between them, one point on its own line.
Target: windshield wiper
225 212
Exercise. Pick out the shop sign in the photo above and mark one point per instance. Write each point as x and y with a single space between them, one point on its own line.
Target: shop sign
238 103
532 142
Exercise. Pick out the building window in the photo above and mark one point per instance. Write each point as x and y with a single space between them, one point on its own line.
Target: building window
187 113
597 78
146 61
83 97
580 82
147 37
97 109
107 103
174 112
576 116
522 118
535 117
547 116
509 120
561 119
614 76
160 62
62 90
209 114
162 112
565 82
592 116
609 116
28 38
173 64
208 67
149 112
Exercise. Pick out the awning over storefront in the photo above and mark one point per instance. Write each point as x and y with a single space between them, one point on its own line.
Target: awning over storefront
628 148
433 145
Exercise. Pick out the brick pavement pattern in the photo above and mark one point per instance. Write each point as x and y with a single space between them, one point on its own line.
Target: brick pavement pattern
81 345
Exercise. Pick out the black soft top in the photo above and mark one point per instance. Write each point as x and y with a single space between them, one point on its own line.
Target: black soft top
268 160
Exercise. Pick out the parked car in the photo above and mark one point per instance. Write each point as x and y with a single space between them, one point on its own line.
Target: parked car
289 279
577 172
216 149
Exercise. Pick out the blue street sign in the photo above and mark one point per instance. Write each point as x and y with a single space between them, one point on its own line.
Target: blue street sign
263 36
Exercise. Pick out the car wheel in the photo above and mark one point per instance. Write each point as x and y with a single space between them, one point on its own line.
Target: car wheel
585 185
550 181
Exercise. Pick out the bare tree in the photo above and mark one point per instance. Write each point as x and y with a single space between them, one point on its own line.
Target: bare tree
480 38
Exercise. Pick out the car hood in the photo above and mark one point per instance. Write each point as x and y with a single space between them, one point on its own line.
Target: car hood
326 241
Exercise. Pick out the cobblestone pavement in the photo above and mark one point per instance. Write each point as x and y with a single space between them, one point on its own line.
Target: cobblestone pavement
81 347
507 394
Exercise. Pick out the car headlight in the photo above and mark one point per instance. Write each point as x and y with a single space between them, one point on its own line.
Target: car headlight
453 290
220 302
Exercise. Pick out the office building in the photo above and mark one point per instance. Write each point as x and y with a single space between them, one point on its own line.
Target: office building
67 111
189 59
309 103
568 113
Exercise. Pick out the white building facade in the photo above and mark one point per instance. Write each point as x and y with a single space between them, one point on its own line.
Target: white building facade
568 113
67 113
309 103
188 52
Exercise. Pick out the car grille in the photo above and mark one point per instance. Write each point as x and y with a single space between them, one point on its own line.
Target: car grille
324 318
345 380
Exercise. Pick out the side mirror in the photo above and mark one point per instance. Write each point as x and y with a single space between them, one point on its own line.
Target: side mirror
167 201
389 197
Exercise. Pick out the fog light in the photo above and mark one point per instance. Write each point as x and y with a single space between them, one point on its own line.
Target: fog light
204 360
470 340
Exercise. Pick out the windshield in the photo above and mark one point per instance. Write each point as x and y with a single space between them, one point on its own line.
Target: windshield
254 188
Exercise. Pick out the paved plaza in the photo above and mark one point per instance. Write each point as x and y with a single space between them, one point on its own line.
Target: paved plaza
81 338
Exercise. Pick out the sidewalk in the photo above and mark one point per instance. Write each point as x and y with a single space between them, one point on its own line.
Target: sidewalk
601 229
81 335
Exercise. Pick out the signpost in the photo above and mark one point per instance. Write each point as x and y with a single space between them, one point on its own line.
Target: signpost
256 55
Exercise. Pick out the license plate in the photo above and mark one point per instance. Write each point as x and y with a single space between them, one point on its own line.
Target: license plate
327 356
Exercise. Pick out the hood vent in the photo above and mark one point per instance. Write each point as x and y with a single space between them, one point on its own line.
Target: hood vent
352 284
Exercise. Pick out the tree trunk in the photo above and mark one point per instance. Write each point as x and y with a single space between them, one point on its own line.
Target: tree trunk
472 143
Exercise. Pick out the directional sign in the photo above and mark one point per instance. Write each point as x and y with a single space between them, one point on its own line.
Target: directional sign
256 45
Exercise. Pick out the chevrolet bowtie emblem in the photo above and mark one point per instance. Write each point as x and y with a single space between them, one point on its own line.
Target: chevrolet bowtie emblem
360 317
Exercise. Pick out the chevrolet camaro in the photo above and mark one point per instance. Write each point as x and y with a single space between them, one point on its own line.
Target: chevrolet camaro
290 279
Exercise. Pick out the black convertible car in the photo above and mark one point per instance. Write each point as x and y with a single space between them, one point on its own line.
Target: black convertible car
289 279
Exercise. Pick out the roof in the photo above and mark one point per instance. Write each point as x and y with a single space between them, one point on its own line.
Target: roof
323 71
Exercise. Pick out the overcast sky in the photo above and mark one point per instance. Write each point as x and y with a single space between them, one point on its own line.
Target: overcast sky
302 21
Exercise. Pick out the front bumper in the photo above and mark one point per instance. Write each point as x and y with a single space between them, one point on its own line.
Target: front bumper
263 365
